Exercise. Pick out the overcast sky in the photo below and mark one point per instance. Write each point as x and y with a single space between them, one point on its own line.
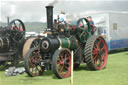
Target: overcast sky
34 10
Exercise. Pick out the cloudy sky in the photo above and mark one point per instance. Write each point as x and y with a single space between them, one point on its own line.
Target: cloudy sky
34 10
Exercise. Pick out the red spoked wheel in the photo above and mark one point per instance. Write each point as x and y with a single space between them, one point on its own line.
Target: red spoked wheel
32 63
62 63
96 53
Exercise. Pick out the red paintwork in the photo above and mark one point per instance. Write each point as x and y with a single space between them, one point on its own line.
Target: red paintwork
63 70
100 61
16 28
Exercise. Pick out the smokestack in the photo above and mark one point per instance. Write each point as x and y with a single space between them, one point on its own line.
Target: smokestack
49 10
8 20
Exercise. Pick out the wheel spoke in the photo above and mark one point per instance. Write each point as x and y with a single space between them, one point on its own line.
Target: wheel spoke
96 46
61 58
95 56
66 56
61 69
95 61
103 48
94 51
66 68
99 42
102 58
15 24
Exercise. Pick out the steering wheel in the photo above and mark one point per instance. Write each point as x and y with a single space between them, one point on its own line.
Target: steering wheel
84 31
16 30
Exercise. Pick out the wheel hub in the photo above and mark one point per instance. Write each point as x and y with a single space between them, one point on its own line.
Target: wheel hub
99 53
65 63
61 63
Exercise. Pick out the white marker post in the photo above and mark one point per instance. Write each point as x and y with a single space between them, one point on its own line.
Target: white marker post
72 68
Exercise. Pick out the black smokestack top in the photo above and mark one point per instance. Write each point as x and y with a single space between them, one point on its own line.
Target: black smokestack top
49 10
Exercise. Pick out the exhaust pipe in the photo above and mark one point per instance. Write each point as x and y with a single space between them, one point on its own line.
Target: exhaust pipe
8 21
49 10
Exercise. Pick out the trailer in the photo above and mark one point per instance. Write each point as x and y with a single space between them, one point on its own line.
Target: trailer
114 28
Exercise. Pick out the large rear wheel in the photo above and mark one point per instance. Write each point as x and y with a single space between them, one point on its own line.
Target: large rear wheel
62 63
96 53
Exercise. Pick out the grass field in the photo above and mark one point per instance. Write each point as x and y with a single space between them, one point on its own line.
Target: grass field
116 73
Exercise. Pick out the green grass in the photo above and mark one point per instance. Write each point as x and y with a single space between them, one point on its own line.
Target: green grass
116 73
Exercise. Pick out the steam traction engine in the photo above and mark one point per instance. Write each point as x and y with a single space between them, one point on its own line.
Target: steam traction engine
55 49
11 42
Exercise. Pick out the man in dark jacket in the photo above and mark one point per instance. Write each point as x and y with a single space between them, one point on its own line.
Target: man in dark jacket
93 27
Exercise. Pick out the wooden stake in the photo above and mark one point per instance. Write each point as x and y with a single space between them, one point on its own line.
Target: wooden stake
72 68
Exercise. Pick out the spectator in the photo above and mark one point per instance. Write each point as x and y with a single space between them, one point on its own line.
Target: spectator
93 27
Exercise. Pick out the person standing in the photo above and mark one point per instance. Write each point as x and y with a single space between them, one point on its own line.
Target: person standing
91 22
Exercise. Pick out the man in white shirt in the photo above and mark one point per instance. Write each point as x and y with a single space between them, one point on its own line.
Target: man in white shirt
62 17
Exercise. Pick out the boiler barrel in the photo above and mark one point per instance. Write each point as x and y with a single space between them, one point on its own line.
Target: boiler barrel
49 44
70 43
4 44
